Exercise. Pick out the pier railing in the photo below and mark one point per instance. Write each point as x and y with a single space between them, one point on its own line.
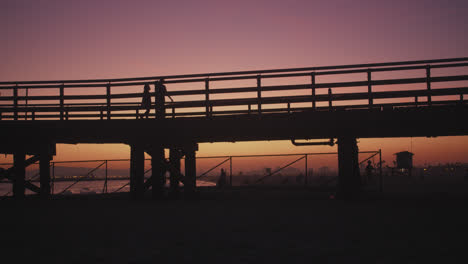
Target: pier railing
375 86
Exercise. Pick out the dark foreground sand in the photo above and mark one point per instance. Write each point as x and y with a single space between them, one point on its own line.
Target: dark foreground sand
235 229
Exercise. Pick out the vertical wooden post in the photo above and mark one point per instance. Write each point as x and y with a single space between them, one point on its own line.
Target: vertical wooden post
26 103
62 101
259 94
190 179
369 88
158 170
104 189
174 159
330 104
53 178
207 97
44 171
428 83
349 179
19 163
230 171
416 101
380 171
313 91
15 102
306 171
108 99
137 170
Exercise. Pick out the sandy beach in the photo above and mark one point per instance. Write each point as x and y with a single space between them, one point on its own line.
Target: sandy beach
235 227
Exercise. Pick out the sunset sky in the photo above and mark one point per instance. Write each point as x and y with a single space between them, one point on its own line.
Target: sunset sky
66 39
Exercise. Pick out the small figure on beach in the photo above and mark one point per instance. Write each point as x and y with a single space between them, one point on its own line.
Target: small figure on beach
369 171
222 179
146 101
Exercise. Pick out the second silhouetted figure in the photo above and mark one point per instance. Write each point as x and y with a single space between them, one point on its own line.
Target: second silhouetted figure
146 101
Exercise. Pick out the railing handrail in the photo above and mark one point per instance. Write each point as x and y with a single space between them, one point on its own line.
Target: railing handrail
77 106
210 157
253 72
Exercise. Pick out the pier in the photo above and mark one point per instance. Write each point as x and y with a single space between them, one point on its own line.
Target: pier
392 99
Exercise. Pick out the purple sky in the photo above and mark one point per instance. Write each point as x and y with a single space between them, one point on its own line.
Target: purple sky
84 39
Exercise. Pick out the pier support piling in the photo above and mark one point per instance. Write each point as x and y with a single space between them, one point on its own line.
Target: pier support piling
190 170
19 163
174 158
44 171
137 170
158 170
349 180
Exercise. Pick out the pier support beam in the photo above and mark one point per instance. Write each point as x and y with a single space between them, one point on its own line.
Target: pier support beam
174 159
137 170
44 171
158 170
19 163
349 180
45 156
190 170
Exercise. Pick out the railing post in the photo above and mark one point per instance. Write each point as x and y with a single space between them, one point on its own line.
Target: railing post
428 82
104 189
289 108
230 171
259 94
416 101
26 103
33 115
62 100
207 97
313 90
15 102
173 112
380 170
108 98
306 171
369 87
53 178
330 105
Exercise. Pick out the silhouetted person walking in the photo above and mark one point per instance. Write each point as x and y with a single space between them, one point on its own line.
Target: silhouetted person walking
160 93
146 101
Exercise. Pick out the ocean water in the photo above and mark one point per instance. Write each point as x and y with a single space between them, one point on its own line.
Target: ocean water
85 187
